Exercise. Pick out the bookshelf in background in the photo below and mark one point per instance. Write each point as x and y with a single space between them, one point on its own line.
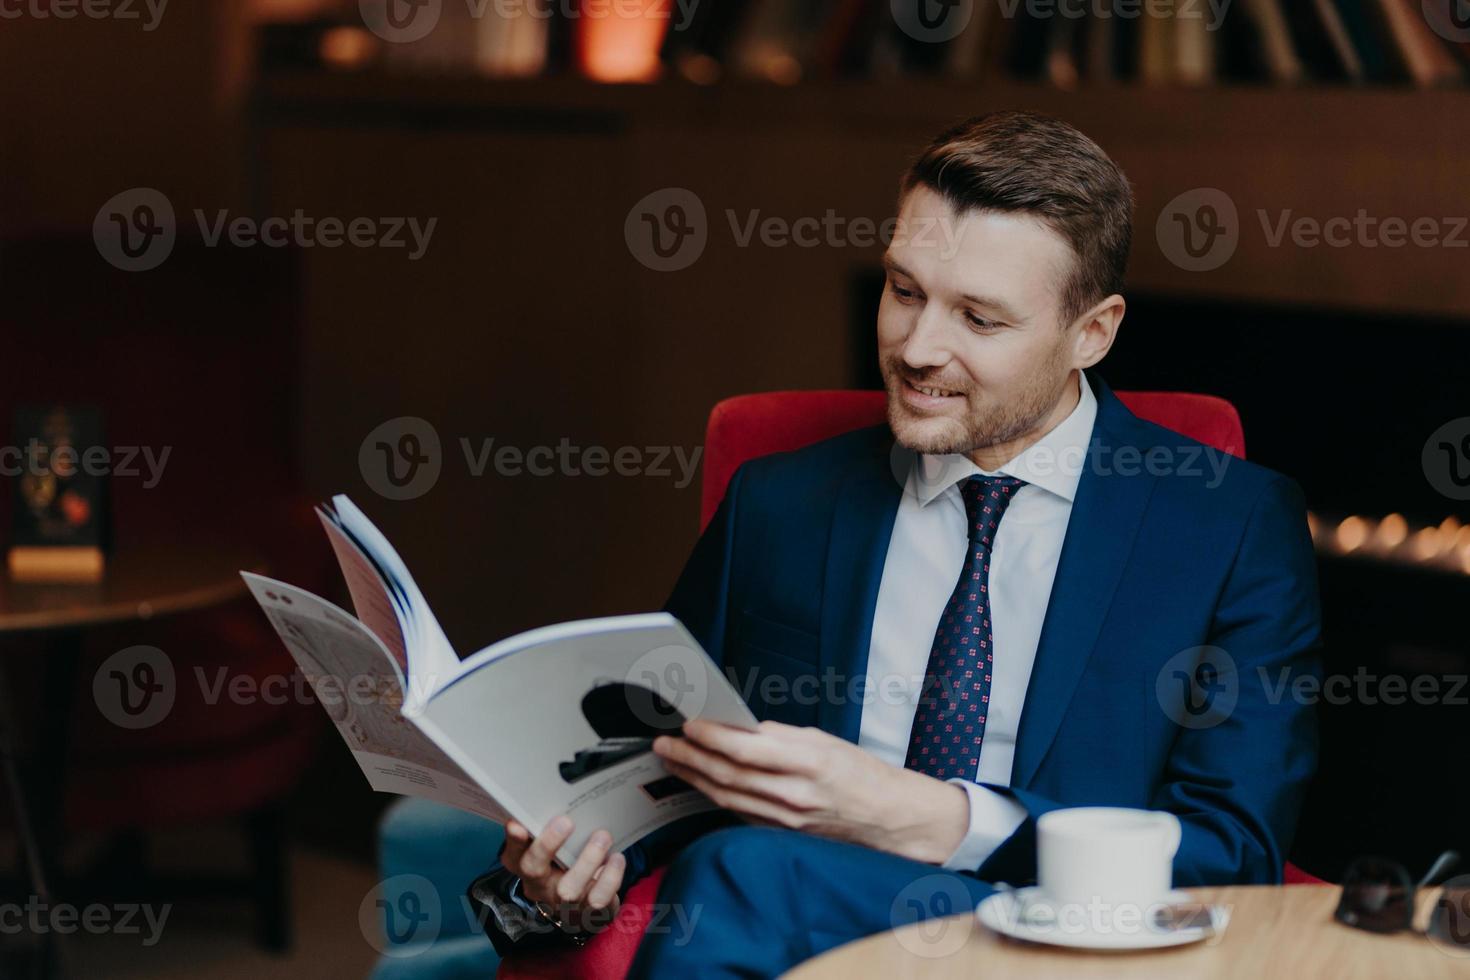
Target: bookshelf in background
1064 43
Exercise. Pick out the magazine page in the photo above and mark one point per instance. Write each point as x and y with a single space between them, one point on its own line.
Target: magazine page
361 688
562 720
432 662
372 599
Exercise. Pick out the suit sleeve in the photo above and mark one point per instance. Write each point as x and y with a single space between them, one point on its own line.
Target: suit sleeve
700 601
1236 783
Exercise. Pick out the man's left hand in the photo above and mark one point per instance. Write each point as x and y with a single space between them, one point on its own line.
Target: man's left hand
805 779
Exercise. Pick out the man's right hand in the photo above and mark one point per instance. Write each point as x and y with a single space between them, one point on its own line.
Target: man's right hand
585 895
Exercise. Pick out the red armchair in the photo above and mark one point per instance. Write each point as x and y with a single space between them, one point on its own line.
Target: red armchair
749 426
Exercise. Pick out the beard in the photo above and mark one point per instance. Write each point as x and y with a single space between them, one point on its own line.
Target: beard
981 426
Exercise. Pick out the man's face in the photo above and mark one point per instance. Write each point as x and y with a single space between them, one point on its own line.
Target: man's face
970 341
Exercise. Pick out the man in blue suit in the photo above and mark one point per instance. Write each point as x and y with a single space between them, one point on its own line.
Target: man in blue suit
1015 597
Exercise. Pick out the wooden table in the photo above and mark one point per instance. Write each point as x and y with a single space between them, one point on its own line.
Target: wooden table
1275 931
140 584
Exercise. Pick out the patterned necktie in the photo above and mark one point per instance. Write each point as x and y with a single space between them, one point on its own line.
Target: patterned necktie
949 724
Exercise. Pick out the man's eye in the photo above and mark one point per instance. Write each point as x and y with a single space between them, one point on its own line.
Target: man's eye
901 292
980 323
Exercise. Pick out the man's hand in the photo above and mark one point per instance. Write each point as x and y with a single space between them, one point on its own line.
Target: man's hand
805 779
586 894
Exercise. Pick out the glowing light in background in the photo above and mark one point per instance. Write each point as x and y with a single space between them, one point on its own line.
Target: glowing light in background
620 42
1445 546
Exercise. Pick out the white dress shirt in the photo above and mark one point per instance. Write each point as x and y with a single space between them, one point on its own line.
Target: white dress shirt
925 555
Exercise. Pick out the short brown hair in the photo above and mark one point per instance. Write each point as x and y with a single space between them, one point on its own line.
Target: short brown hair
1022 162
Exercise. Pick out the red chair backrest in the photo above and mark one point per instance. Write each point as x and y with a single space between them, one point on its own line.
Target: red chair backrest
748 426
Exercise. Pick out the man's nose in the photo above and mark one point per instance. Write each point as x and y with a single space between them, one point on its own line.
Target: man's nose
927 346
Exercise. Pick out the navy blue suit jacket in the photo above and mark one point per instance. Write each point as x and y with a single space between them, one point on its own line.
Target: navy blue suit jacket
1163 555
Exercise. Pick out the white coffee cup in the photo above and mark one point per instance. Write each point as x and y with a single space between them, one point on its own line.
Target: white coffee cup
1106 855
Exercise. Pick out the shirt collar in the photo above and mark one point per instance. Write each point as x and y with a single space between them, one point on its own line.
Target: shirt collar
1053 463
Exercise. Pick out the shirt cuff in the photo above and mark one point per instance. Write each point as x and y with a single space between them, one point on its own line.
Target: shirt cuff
993 819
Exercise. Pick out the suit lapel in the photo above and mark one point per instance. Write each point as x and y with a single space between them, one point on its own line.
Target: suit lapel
1106 515
862 524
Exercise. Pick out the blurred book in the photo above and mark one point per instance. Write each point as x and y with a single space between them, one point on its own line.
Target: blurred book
843 45
1276 51
1195 37
1099 62
1156 46
1368 35
1063 60
777 40
969 52
1329 16
1028 41
59 516
1421 51
1313 42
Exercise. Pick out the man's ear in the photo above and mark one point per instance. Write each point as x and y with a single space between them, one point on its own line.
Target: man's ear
1096 331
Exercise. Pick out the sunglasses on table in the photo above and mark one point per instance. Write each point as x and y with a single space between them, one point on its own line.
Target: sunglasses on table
1378 895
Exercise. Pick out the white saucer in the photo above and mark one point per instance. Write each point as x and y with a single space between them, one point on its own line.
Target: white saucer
1081 928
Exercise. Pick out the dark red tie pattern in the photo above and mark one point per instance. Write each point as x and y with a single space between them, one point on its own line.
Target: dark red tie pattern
949 724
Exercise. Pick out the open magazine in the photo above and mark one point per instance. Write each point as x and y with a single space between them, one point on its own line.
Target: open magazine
556 720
